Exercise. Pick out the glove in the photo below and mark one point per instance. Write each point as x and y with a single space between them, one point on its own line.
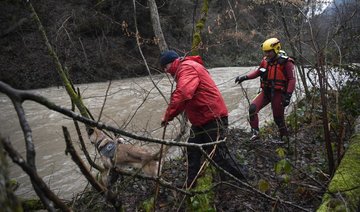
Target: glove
286 99
239 79
163 123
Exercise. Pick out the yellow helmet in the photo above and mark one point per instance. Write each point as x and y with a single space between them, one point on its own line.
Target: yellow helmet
271 44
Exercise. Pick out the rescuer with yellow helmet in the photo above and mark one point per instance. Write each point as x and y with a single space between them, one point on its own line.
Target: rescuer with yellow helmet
276 72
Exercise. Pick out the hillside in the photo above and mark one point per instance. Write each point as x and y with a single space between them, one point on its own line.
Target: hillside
96 42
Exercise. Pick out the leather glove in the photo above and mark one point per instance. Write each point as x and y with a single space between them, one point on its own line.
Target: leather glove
286 99
163 123
240 79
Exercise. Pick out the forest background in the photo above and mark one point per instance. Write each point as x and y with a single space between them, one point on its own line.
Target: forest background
95 40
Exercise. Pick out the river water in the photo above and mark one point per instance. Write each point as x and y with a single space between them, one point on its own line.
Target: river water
133 104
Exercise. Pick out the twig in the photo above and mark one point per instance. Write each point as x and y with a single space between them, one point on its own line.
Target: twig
22 95
83 148
137 109
142 55
247 186
103 105
41 188
110 196
203 166
30 149
159 169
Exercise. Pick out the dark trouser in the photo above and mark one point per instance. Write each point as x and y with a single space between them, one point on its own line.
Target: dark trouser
209 132
260 101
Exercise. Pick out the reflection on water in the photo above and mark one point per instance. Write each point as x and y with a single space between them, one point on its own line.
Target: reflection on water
133 104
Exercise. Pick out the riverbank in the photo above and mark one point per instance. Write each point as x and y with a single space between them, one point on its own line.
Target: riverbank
299 187
290 178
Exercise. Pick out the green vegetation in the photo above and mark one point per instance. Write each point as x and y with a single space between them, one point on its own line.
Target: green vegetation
283 167
203 202
197 41
344 190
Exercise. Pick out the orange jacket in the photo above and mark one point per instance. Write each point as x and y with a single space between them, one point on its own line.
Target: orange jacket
278 74
196 93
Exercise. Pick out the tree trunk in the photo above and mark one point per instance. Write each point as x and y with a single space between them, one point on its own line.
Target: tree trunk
323 94
75 97
8 200
291 38
343 193
159 36
197 41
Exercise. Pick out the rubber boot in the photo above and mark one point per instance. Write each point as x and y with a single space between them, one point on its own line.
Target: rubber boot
255 134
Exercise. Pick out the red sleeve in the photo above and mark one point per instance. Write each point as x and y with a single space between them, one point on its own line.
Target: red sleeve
187 83
290 74
257 72
253 74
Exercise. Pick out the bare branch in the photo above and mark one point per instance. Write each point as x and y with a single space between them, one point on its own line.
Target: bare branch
40 186
22 95
83 148
111 197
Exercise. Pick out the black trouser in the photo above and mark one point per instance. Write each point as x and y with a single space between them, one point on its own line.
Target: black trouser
209 132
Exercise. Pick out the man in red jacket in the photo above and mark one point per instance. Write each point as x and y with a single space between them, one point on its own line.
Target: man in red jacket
277 79
197 94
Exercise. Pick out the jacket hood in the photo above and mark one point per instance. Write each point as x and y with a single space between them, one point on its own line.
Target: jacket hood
176 63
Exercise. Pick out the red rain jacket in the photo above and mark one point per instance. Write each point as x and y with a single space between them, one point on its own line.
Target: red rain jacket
196 93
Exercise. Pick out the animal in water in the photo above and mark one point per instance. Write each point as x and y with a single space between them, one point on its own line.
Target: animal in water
116 155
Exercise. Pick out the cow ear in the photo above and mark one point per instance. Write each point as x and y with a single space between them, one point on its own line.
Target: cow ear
120 140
